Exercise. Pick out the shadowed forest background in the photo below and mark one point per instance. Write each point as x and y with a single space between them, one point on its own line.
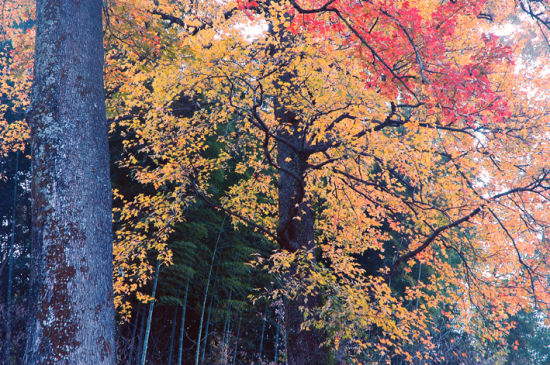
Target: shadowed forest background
310 181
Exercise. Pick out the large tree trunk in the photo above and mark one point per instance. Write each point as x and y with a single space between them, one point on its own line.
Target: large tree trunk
296 232
72 316
7 343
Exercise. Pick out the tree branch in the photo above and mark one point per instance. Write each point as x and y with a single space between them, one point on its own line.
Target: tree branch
428 241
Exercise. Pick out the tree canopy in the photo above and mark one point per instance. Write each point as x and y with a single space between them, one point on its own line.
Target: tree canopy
382 166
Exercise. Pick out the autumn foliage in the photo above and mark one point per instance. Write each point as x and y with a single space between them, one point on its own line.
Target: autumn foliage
414 136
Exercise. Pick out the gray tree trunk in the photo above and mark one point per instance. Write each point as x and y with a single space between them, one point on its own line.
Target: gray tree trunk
206 330
150 315
201 322
227 321
141 334
72 314
182 328
276 346
264 320
10 263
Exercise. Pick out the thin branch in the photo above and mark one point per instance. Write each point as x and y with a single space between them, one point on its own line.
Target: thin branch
179 21
429 240
518 254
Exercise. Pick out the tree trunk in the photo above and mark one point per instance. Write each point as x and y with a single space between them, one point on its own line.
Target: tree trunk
182 328
173 334
296 232
141 334
206 329
132 339
10 263
264 320
303 347
203 310
199 336
227 321
237 342
276 346
150 315
72 313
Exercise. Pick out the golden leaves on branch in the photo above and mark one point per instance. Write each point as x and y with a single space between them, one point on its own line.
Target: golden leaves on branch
391 156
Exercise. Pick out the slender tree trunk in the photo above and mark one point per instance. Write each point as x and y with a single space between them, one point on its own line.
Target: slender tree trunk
150 315
173 334
237 342
418 280
182 328
10 263
206 329
132 340
197 352
285 338
227 321
72 314
203 310
264 320
276 359
226 353
141 334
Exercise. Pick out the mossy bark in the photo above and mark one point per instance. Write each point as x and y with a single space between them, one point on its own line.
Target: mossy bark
72 313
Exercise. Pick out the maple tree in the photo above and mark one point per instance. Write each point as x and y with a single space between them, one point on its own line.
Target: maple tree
354 116
16 50
396 152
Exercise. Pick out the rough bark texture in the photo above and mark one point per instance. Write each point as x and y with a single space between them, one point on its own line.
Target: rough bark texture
72 314
7 344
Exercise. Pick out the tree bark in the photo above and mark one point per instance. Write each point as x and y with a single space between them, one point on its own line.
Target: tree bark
296 232
10 263
72 313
